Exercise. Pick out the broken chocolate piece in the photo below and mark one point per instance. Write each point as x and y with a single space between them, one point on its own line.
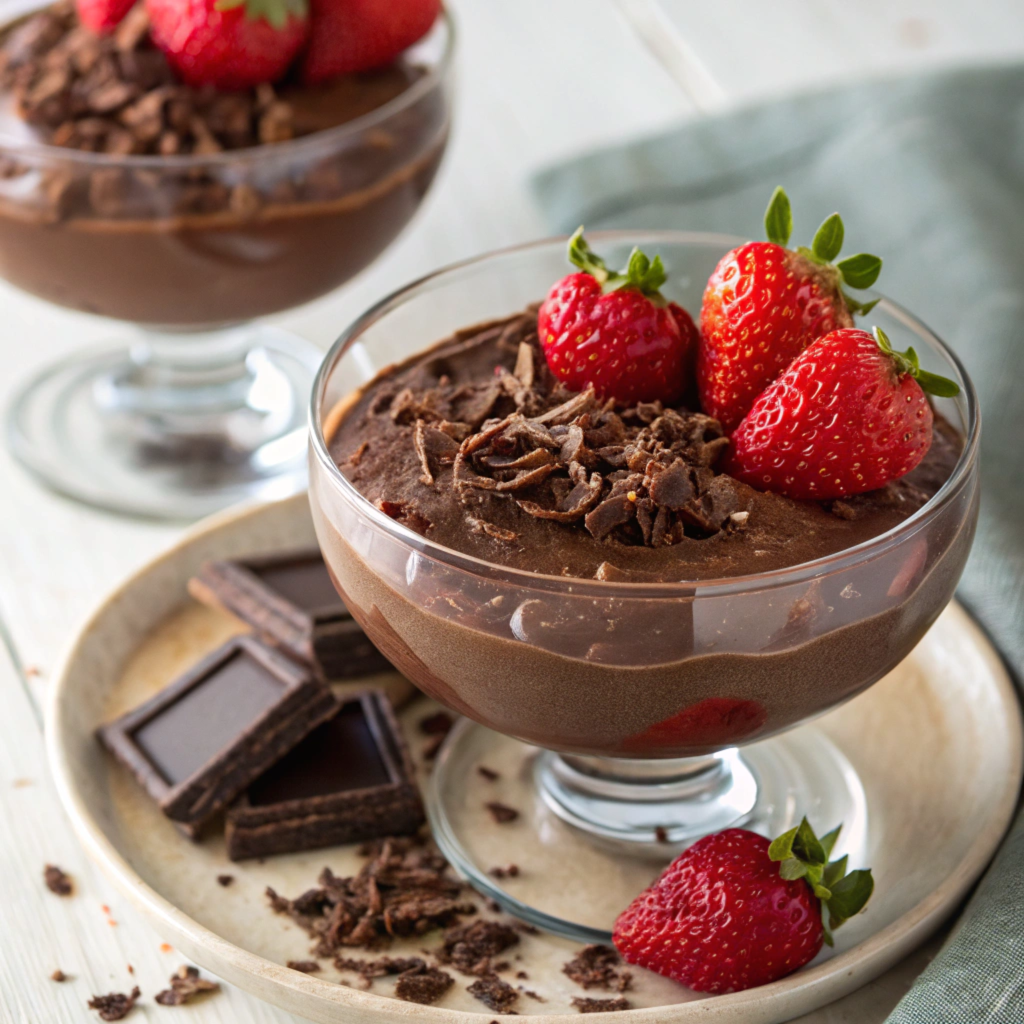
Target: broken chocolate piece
201 740
114 1005
470 948
291 602
586 1005
186 984
303 966
423 984
225 880
56 881
597 966
349 780
494 993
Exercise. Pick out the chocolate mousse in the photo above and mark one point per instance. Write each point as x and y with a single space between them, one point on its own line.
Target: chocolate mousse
189 206
476 445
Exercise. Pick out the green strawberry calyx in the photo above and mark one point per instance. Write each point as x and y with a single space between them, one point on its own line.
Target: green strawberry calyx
803 855
859 271
275 12
908 362
641 273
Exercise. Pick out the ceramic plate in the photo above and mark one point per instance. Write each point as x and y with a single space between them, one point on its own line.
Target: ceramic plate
937 745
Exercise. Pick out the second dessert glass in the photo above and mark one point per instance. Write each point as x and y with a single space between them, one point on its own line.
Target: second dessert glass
613 711
203 408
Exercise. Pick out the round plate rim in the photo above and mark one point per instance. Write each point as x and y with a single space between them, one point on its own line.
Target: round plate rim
301 993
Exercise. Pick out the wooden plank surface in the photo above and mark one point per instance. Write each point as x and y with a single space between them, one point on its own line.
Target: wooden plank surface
537 80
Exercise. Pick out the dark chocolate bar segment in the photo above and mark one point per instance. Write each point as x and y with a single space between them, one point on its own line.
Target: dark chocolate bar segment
350 780
203 739
290 601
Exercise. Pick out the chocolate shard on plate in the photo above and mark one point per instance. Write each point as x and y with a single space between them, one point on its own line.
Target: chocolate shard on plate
290 601
350 780
203 739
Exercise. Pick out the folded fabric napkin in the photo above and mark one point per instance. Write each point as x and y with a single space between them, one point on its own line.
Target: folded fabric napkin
928 172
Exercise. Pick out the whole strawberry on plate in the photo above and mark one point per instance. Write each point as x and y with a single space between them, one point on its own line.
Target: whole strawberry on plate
359 35
734 911
229 44
616 331
765 303
848 415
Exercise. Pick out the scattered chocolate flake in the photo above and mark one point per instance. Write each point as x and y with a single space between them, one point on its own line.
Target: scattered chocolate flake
186 984
114 1005
225 880
403 890
423 984
494 993
532 995
488 773
587 1005
597 966
660 834
303 966
522 975
470 948
56 881
501 813
357 456
58 975
437 724
509 871
379 968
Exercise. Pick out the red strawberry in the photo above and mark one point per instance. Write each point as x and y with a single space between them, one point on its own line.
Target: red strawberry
764 304
616 330
102 15
714 722
229 44
849 415
358 35
726 916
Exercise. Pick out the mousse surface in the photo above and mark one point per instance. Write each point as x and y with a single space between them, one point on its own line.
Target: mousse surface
561 483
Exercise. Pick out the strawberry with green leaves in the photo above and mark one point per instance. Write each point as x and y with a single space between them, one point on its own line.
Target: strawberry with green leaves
849 415
734 911
616 331
765 303
229 44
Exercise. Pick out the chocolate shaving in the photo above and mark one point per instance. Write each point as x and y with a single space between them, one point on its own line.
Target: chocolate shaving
470 949
597 966
304 966
114 1005
587 1005
186 984
494 993
523 371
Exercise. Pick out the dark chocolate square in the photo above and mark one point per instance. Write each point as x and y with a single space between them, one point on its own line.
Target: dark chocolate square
349 780
290 601
201 740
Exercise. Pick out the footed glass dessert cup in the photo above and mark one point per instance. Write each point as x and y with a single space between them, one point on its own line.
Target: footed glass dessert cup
624 720
204 407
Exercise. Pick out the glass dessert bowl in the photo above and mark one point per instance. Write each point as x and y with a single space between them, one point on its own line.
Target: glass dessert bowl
612 709
204 407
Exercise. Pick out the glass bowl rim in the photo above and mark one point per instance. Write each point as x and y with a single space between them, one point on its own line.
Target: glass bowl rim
434 77
720 586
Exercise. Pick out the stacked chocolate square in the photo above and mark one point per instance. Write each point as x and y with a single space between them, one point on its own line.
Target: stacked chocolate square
256 731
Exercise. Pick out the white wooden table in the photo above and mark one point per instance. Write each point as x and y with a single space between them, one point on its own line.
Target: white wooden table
521 105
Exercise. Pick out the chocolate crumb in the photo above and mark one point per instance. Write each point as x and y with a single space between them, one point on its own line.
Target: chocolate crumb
114 1005
597 966
488 773
423 984
522 975
470 948
380 967
494 993
501 813
186 984
303 966
437 724
532 995
585 1005
660 834
357 456
509 871
58 975
225 880
56 881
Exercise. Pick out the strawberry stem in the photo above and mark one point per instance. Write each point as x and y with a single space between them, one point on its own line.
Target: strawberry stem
908 362
801 854
275 12
641 273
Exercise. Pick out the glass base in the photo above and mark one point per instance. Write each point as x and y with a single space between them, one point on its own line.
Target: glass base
175 426
592 833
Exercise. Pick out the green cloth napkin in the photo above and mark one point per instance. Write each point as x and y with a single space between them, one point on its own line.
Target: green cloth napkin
928 172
